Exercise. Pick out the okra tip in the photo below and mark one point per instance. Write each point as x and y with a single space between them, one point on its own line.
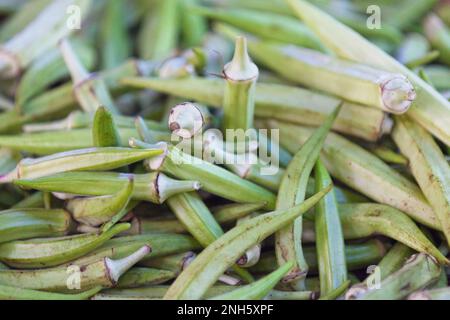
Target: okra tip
185 120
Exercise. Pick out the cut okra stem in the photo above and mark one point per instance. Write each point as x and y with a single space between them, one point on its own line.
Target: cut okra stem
186 120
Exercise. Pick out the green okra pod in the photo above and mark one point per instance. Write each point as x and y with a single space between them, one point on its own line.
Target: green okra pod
104 130
364 172
391 92
394 259
430 109
40 34
49 252
187 119
418 272
94 211
240 76
329 237
428 166
206 268
259 289
25 223
174 263
252 255
157 38
154 187
75 278
439 76
14 293
291 192
212 178
280 102
366 219
432 294
439 35
139 277
193 26
270 26
36 200
114 40
413 47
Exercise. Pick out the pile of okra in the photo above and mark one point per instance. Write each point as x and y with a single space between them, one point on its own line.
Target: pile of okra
224 149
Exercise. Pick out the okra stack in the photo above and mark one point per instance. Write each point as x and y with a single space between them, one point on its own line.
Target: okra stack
224 150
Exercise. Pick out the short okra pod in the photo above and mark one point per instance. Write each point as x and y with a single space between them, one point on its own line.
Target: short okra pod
25 223
363 172
40 34
259 289
240 76
292 191
207 267
94 211
430 109
391 92
139 277
281 102
428 166
212 178
35 200
78 160
48 252
155 187
329 237
104 272
418 272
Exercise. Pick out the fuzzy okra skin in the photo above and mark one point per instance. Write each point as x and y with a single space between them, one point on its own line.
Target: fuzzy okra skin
75 278
391 92
24 223
292 191
364 172
418 272
280 102
428 166
48 252
195 280
155 187
239 97
212 178
329 237
430 109
78 160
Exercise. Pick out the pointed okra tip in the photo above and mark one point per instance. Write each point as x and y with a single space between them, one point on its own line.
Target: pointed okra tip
241 67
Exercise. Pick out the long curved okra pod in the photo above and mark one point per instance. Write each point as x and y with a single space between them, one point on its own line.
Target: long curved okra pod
428 165
155 187
281 102
258 289
94 211
364 172
418 272
240 76
212 178
75 278
25 223
329 238
391 92
291 192
14 293
78 160
40 34
430 109
207 267
366 219
176 263
194 26
49 252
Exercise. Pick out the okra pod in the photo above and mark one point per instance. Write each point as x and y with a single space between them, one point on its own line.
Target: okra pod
14 293
418 272
430 109
104 130
428 165
329 238
25 223
138 277
154 187
439 35
78 160
280 102
104 272
207 267
292 191
193 26
49 252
